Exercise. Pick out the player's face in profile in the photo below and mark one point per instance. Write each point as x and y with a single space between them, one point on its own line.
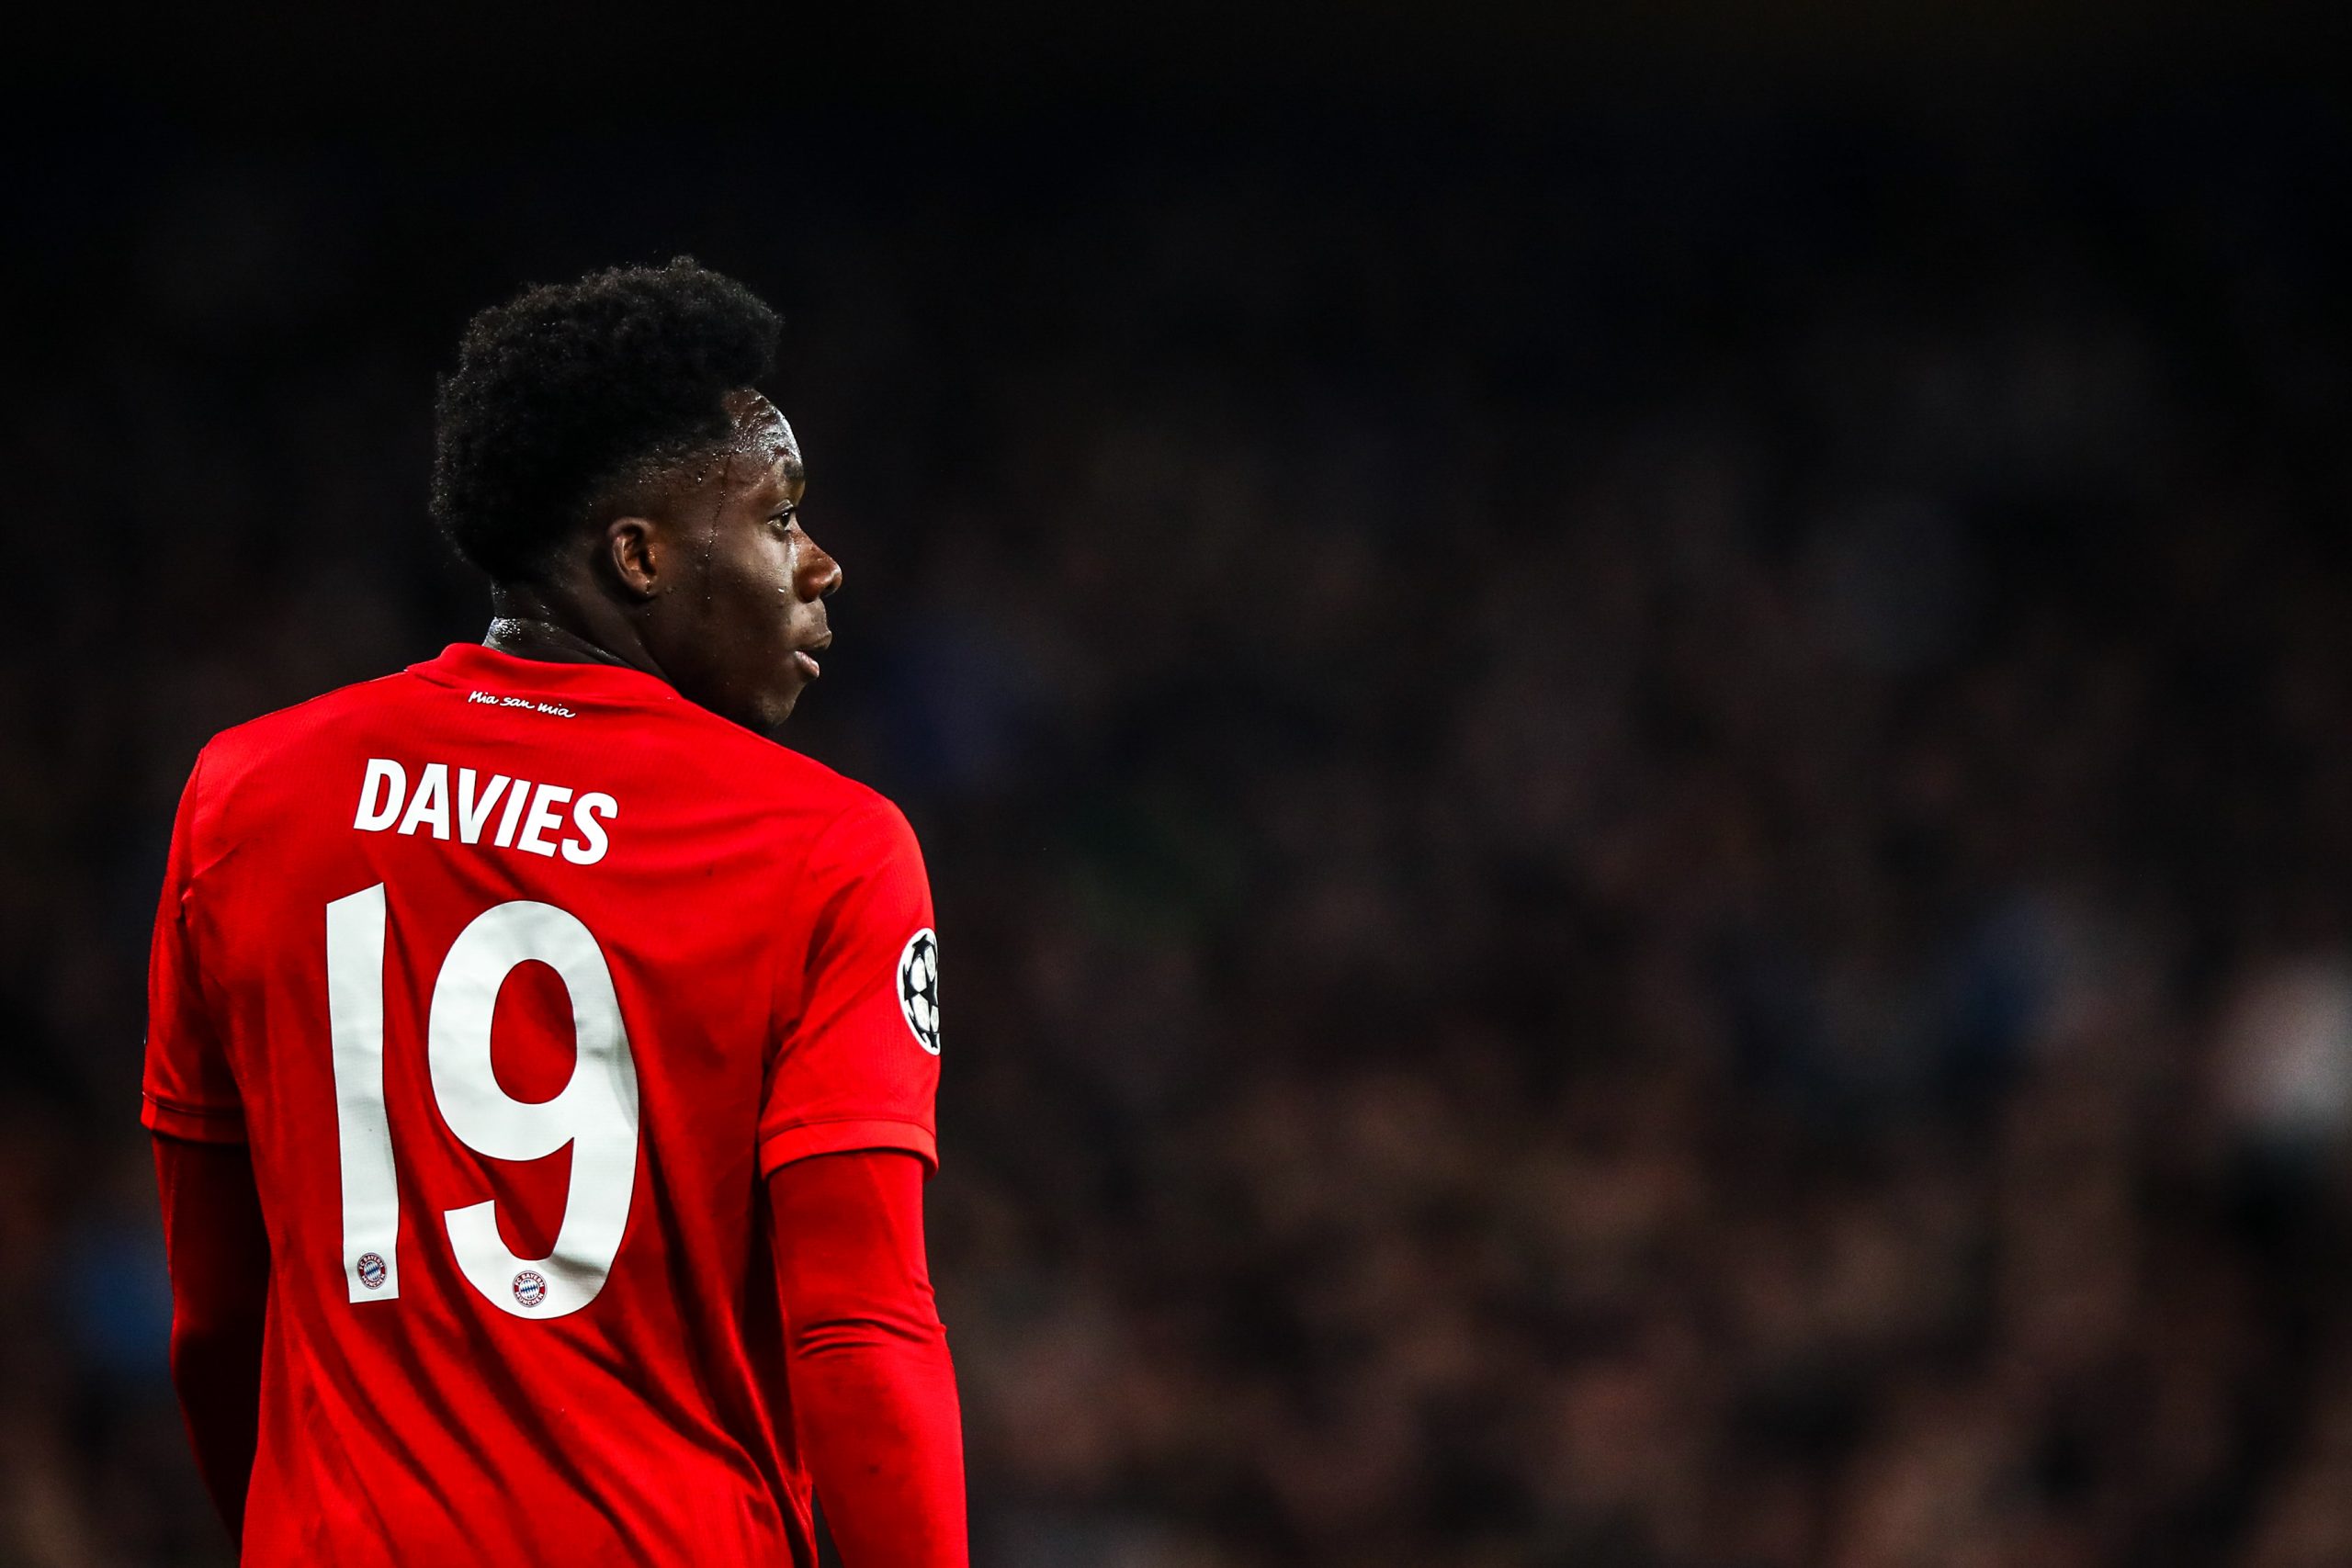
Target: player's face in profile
742 632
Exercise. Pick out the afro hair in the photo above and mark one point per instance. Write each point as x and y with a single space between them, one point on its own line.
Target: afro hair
569 388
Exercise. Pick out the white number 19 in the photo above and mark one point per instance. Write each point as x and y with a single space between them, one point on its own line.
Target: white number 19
596 1112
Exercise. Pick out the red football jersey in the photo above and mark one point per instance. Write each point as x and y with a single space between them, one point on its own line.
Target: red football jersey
518 977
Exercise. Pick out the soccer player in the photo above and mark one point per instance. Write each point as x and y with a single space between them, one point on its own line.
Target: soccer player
542 1058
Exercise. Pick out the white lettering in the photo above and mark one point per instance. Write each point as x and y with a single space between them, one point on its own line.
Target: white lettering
516 798
383 772
494 700
431 803
472 812
532 820
543 817
593 844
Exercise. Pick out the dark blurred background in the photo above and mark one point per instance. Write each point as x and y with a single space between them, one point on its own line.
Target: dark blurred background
1635 729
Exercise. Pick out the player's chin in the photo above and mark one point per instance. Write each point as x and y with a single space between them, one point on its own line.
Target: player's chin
781 691
765 717
777 703
764 710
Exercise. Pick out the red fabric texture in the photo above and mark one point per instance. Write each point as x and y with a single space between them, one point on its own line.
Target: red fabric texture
219 1256
513 847
189 1092
872 1389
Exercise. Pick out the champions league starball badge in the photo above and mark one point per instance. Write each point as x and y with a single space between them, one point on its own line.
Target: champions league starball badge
918 988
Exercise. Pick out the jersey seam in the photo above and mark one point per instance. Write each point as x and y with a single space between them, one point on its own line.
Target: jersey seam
665 693
924 1141
188 1107
165 1118
834 1121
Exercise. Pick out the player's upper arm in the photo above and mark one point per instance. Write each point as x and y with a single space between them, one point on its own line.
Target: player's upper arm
187 1088
858 1066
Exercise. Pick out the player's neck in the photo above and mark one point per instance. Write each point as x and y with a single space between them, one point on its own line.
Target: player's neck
524 625
528 639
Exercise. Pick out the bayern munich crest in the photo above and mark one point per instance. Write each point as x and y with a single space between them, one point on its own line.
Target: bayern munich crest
372 1272
530 1286
919 988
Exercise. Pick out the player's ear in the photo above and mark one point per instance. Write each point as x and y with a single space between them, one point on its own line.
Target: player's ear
633 550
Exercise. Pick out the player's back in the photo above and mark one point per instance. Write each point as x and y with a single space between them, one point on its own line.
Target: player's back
520 976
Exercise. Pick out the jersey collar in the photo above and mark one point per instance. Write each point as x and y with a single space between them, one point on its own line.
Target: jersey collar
470 666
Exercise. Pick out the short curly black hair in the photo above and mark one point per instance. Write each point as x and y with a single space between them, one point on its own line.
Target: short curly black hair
571 386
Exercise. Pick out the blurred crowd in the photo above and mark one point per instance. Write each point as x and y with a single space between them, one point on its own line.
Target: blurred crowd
1641 824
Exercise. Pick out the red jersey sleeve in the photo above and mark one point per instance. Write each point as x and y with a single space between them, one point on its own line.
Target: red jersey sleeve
188 1089
858 1066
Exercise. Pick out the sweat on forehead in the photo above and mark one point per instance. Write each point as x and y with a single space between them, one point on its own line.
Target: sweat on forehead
761 432
760 443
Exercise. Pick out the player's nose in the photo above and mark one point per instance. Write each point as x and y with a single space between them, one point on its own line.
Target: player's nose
820 574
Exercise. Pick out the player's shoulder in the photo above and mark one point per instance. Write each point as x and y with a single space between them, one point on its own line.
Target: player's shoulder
834 829
237 752
795 792
268 761
830 807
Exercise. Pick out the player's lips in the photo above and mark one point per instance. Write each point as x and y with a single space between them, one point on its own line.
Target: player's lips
808 666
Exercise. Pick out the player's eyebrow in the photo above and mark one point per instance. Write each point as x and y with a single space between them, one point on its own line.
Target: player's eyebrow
777 488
